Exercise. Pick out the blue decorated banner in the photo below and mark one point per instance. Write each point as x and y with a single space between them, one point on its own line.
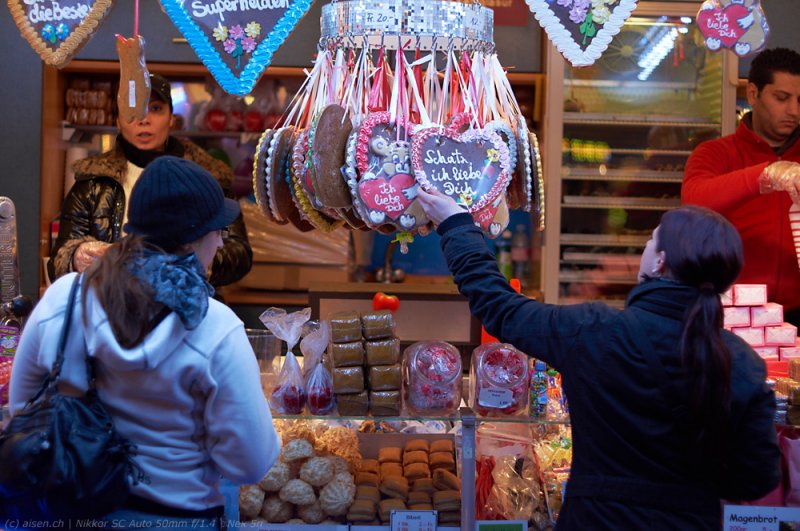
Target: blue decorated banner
236 39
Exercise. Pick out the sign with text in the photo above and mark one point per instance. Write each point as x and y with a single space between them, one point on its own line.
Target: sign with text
413 520
56 30
236 39
752 518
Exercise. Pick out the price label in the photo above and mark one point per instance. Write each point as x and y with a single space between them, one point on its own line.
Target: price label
496 398
508 525
755 518
413 520
376 17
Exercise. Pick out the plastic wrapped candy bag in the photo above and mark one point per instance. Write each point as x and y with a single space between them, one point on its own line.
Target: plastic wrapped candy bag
318 378
289 395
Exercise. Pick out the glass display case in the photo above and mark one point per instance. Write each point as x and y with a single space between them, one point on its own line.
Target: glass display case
617 136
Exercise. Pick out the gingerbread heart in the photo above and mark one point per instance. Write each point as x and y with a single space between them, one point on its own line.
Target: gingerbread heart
235 40
386 189
472 168
581 29
493 218
725 23
57 30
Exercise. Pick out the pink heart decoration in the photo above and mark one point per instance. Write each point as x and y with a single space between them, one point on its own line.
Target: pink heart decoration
472 168
719 23
385 194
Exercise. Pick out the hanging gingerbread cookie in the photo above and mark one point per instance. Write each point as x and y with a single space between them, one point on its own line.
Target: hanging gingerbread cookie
471 167
739 25
386 190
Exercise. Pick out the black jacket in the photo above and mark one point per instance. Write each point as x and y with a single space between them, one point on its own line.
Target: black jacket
636 464
95 206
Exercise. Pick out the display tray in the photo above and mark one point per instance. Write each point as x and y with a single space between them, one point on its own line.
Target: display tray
454 418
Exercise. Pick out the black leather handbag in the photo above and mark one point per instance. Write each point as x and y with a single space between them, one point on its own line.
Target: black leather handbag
60 456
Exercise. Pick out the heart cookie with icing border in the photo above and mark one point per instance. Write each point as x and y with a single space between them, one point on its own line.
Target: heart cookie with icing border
58 30
581 29
236 40
386 191
471 167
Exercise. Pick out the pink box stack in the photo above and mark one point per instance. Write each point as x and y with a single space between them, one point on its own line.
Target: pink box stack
750 316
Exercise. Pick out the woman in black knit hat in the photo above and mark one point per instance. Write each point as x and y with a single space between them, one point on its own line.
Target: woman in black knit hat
174 366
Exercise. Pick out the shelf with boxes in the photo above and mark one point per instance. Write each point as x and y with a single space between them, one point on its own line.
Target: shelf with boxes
618 138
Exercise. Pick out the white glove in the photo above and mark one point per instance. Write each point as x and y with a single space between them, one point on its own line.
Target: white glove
438 206
87 253
781 176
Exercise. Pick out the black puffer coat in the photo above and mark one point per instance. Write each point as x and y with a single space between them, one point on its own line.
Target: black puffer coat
636 464
95 206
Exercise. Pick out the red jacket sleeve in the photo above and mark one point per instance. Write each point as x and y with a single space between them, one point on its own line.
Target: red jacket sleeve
716 179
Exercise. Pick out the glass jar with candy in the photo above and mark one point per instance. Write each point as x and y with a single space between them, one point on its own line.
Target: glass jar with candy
432 378
499 380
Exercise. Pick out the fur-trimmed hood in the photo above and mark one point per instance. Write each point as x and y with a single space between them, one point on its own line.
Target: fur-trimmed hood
113 164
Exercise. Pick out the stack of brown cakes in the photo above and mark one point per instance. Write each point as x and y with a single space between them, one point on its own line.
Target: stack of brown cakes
366 361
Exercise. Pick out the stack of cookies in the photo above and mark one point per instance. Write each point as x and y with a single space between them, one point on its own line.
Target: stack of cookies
366 361
403 478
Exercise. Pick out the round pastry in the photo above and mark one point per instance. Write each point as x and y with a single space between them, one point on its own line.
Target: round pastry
326 149
297 449
276 510
260 173
278 194
317 471
298 492
250 500
295 429
337 496
276 477
311 514
339 464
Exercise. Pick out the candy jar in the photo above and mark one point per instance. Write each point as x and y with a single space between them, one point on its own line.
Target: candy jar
498 380
431 378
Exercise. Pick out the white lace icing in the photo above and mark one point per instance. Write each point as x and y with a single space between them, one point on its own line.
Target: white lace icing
563 39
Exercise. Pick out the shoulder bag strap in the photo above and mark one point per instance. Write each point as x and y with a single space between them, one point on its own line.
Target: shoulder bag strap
50 381
648 351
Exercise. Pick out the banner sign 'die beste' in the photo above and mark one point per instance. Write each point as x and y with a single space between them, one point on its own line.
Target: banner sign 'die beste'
236 39
58 29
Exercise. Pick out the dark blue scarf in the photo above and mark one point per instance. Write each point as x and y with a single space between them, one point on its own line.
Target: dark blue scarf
178 282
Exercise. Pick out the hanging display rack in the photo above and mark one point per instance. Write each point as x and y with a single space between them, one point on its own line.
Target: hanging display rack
456 25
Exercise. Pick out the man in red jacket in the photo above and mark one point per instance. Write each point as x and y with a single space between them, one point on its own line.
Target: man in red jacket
752 177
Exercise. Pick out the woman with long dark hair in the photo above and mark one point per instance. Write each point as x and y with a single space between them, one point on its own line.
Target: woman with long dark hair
670 412
174 366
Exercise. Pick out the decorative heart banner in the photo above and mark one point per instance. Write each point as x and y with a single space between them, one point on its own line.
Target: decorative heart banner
738 25
581 29
57 30
236 39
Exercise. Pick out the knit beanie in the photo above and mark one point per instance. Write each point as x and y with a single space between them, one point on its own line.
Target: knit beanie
176 202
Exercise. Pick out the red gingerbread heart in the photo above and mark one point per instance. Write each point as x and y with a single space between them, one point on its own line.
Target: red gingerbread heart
386 195
722 24
472 168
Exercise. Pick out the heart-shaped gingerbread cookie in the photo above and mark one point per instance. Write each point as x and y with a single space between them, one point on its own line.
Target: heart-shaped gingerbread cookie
581 29
386 191
235 40
57 30
472 167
